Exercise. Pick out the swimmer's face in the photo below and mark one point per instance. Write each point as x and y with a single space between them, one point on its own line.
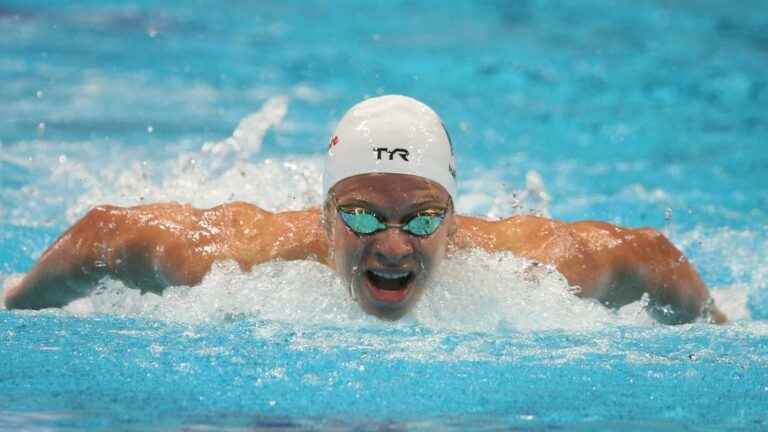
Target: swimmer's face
387 271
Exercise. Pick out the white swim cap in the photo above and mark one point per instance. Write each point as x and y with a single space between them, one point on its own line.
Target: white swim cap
390 134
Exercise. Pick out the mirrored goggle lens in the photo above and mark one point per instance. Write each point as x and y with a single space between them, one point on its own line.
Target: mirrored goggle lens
361 222
424 225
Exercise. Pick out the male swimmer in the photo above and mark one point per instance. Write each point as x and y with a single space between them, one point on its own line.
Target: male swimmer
386 223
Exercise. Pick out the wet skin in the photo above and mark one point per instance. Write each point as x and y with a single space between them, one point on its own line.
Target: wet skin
153 246
375 265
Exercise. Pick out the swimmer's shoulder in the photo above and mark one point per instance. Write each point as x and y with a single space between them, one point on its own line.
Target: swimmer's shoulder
252 235
585 232
505 234
217 219
516 224
544 226
164 210
242 209
239 213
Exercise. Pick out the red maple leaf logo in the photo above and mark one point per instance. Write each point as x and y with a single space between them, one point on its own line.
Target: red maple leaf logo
334 141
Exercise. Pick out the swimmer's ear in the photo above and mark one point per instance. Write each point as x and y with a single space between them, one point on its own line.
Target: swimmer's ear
451 220
327 228
326 218
451 224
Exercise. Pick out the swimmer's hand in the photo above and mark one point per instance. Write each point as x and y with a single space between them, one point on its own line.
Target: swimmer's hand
155 246
11 284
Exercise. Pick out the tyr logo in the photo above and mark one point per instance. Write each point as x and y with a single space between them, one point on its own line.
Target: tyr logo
403 153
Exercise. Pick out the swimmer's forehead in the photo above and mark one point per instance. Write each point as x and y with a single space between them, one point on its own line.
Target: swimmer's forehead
390 190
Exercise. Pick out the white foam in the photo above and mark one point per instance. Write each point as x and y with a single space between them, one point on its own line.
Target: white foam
731 251
473 291
480 307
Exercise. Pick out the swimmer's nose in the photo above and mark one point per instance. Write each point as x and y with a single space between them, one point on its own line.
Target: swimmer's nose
393 248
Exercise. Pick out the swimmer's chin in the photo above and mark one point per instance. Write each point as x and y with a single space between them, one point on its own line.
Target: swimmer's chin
385 313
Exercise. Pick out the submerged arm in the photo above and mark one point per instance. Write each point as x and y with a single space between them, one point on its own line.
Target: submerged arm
155 246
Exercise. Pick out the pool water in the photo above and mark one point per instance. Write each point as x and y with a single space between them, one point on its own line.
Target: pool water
638 113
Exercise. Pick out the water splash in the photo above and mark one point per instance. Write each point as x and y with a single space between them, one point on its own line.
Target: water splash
246 140
472 291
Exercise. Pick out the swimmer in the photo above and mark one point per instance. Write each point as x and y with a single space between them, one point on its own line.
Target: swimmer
386 223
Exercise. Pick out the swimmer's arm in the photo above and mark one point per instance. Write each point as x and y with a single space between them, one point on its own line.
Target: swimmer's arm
155 246
631 262
137 245
618 265
611 264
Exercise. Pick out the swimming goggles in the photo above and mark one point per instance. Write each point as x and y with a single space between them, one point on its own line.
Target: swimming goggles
364 222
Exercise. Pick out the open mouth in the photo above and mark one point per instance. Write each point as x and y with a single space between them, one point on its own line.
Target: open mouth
389 286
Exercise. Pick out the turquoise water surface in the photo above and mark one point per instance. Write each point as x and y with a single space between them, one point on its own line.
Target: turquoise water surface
647 113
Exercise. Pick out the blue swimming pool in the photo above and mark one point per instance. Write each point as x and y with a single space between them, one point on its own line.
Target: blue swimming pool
638 113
